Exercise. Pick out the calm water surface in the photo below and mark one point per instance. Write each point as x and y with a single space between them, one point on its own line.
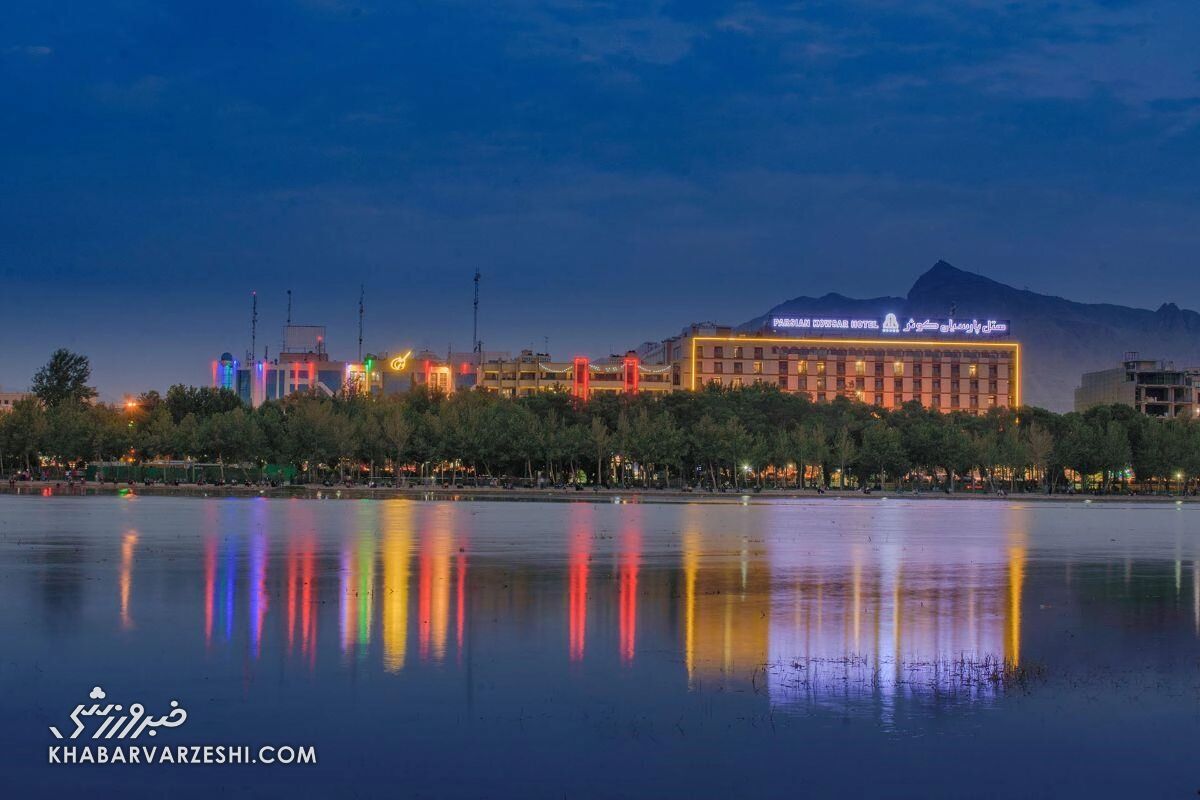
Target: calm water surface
493 649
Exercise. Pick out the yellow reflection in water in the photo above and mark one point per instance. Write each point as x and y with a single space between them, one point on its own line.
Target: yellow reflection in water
128 543
397 543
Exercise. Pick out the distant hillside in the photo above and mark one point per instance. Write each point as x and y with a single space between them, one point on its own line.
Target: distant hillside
1061 339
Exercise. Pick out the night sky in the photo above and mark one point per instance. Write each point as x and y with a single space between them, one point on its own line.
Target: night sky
616 170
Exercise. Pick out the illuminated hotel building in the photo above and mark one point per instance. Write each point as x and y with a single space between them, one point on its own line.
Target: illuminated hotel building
530 373
946 365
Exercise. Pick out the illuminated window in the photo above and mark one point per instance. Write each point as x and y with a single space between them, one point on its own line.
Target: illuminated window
737 352
801 367
860 367
736 383
820 367
973 370
758 366
898 368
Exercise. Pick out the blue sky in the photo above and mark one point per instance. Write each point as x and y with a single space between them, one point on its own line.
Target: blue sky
616 170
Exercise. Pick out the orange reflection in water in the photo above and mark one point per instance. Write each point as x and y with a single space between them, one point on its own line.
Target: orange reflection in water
726 588
433 600
300 591
128 543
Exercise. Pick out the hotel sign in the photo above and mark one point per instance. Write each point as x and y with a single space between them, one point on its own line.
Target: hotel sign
890 326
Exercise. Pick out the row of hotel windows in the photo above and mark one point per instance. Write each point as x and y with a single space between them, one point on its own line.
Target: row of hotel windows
880 384
933 400
531 377
860 368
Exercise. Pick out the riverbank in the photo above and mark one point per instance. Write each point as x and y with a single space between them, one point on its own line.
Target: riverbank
631 495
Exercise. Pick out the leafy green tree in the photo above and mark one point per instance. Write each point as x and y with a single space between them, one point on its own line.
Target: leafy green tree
23 430
64 379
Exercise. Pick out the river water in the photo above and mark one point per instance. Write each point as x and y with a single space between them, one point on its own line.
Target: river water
527 649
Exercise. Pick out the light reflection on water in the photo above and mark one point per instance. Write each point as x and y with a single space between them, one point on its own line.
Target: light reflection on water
719 636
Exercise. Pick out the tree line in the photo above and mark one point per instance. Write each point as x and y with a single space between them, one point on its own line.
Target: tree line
738 439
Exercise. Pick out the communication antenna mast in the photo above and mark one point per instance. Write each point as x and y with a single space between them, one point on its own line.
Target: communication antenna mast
253 326
361 294
475 347
289 317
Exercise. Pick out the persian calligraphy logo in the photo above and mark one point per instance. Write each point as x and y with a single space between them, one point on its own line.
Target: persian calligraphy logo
400 362
119 722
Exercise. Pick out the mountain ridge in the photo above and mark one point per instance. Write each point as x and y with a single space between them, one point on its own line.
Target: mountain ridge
1061 338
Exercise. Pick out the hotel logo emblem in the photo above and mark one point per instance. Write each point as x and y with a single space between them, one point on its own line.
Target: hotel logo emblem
890 324
119 722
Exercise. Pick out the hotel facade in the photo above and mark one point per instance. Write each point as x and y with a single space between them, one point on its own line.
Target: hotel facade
946 365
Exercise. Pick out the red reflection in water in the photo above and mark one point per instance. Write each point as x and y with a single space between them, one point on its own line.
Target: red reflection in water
631 554
577 578
308 588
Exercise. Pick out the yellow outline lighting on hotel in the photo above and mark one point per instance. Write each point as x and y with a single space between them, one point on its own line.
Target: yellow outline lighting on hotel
880 344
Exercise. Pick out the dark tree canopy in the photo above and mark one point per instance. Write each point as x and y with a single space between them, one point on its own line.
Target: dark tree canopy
64 379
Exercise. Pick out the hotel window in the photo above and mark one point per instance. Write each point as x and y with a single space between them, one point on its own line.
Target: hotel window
859 396
783 370
954 370
758 352
801 367
735 383
860 367
718 367
820 383
783 381
937 384
917 369
991 400
758 365
992 371
954 401
937 402
879 369
718 351
878 399
737 352
841 383
973 371
898 368
974 401
737 367
918 385
820 367
897 384
992 387
841 367
879 384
